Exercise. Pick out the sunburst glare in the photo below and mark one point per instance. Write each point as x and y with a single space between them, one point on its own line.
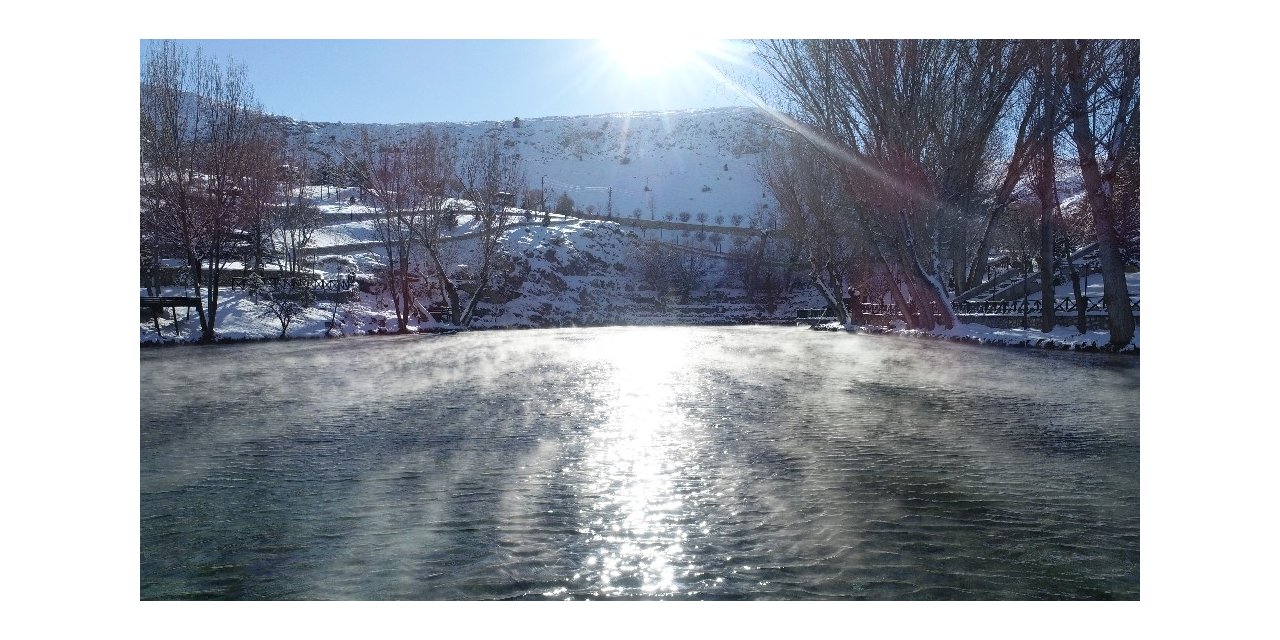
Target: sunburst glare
635 460
652 57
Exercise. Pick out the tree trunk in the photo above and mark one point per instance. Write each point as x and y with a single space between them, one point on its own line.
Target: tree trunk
838 288
1115 289
206 328
833 300
896 290
933 294
405 303
978 270
900 300
455 304
469 312
959 272
212 296
447 287
1047 318
1069 251
1082 324
1048 187
1013 173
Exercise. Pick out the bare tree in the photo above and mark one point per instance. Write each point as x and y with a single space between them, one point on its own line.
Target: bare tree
434 158
531 199
235 128
912 126
564 205
1103 94
298 218
387 167
815 215
1074 229
653 261
168 121
692 273
198 124
669 270
1046 176
155 216
262 199
487 170
286 306
1011 168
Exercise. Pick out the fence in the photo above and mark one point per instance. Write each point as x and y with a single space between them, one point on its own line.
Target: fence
994 313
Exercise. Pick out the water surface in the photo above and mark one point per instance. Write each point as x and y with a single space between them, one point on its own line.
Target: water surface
638 463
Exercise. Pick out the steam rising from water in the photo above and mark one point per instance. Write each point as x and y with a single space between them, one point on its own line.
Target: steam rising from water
738 462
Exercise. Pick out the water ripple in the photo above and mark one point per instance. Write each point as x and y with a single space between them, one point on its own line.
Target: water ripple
645 463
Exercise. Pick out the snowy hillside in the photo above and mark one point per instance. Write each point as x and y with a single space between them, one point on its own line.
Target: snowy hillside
695 160
575 271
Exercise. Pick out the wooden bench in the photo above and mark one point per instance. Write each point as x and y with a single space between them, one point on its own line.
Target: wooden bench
158 304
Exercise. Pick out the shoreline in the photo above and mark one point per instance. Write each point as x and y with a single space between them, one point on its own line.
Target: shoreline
1029 342
450 330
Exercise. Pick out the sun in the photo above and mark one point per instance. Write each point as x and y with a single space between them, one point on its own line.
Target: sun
657 56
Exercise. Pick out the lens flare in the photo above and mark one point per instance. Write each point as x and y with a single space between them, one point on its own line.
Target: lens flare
647 57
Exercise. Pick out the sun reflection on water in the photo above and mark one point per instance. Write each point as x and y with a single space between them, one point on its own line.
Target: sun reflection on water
633 507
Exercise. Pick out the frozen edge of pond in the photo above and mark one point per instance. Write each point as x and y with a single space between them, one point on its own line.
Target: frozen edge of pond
1092 342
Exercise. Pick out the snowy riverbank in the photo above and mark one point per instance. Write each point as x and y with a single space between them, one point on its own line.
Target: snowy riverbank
242 320
574 272
1062 338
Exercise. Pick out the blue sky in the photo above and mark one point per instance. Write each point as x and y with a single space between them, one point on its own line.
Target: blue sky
393 81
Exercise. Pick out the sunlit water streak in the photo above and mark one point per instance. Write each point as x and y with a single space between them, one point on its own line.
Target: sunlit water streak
656 463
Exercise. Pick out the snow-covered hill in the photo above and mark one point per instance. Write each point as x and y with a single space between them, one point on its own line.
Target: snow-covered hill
572 272
576 271
694 160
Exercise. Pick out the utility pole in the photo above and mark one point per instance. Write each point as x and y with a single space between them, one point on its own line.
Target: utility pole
546 215
610 203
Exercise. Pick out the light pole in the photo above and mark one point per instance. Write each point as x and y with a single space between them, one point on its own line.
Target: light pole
546 215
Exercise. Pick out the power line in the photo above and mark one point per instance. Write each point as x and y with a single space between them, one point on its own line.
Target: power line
565 186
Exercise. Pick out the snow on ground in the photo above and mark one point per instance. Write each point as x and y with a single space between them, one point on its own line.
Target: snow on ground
344 233
1091 287
694 160
659 163
574 272
1062 337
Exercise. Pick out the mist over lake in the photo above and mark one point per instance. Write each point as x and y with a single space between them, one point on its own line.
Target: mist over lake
638 463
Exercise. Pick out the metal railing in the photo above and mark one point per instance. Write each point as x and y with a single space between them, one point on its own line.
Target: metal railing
1093 306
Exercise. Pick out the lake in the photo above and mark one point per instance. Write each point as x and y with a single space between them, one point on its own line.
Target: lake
683 463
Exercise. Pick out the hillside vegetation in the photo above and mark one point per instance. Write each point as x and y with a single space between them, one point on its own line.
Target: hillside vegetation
992 167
